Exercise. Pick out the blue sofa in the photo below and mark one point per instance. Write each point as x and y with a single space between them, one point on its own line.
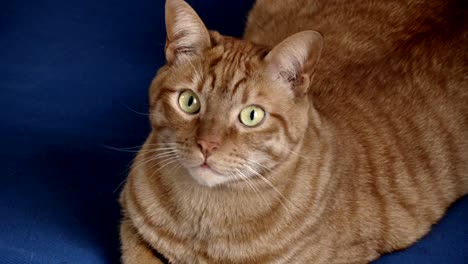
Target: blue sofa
73 85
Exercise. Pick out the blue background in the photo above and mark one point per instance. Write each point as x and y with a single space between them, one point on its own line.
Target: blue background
74 77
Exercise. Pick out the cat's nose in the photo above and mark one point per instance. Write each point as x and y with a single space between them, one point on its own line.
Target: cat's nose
208 145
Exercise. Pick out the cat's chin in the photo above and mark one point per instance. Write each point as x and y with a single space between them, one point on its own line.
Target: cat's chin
208 177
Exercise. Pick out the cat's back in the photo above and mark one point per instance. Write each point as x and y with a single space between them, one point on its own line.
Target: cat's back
386 59
367 27
393 78
373 39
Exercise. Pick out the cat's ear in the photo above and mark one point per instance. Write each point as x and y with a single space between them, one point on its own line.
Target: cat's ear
186 33
293 60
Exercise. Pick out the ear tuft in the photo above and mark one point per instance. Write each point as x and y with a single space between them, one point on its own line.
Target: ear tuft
294 60
186 33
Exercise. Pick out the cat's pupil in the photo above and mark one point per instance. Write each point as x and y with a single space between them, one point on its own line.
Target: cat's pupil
190 101
252 115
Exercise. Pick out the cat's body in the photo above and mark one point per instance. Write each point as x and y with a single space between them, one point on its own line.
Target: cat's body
360 162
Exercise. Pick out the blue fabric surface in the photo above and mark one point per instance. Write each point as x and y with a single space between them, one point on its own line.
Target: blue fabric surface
73 80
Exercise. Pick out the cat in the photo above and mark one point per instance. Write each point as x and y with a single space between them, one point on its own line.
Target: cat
294 146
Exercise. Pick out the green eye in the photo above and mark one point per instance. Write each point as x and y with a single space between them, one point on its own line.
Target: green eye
189 102
252 115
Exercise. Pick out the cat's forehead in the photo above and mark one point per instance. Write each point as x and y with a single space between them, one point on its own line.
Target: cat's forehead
234 52
230 66
226 76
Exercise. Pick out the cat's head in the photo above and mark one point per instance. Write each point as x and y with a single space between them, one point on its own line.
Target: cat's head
228 109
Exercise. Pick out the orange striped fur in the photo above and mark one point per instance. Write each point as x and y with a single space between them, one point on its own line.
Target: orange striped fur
363 146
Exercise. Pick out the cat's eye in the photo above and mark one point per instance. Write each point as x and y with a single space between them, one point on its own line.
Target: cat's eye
189 102
252 115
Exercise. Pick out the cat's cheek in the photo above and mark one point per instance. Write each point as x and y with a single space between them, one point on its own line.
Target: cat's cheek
158 120
260 160
166 135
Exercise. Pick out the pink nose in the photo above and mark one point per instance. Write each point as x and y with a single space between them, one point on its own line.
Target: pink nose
208 145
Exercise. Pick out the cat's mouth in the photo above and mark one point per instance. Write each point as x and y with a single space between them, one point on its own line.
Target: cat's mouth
206 166
205 174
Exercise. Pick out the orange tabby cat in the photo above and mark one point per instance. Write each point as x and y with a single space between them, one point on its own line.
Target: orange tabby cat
251 160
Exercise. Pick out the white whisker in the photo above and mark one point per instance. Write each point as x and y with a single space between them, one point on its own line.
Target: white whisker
155 150
150 159
120 185
165 151
266 169
166 163
136 148
133 149
299 155
251 184
269 183
134 111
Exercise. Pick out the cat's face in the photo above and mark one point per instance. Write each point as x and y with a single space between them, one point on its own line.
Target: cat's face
227 109
226 118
